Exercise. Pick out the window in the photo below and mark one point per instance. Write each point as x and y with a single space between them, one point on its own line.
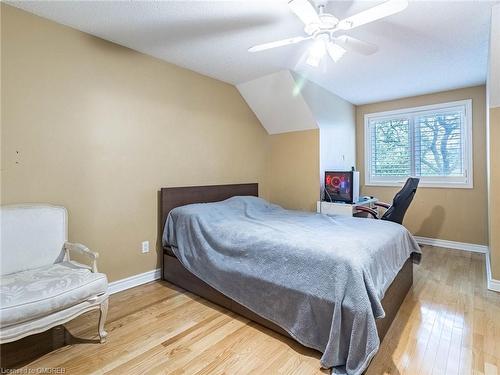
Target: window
432 142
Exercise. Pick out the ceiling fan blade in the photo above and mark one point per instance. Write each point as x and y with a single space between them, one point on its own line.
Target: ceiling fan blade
355 45
335 51
377 12
278 43
304 10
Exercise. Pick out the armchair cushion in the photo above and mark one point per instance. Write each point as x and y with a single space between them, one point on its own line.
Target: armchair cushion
37 292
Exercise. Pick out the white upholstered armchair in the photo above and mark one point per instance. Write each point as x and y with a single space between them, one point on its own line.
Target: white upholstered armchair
40 286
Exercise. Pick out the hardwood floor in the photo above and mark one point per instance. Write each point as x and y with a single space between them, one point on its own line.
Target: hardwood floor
448 324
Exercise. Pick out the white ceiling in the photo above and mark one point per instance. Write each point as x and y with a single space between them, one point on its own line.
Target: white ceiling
429 47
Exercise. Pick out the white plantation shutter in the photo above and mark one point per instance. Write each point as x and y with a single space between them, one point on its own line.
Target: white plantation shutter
439 143
390 142
432 142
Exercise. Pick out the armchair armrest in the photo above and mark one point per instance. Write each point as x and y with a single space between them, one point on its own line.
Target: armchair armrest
81 249
382 204
368 210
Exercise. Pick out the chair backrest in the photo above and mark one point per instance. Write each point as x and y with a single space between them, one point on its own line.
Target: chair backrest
401 201
31 236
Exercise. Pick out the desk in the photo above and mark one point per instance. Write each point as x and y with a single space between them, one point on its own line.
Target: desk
346 209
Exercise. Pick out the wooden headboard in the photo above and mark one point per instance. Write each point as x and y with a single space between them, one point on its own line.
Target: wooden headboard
180 196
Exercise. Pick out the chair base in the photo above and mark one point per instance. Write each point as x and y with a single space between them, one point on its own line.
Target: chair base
103 307
18 331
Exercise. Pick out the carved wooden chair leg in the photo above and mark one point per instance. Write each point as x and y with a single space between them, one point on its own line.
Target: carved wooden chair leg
102 320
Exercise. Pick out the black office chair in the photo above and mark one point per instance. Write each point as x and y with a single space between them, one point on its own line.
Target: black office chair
400 203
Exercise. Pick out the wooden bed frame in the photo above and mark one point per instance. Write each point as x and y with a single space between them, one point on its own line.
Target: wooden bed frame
174 272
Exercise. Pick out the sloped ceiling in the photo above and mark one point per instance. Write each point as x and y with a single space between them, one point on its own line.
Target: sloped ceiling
286 101
278 103
329 110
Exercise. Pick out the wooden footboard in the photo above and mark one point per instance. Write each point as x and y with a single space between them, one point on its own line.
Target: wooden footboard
394 297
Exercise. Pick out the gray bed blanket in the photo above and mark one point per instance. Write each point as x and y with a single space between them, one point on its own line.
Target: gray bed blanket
320 278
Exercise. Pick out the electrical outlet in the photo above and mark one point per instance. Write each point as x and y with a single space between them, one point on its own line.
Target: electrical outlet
145 246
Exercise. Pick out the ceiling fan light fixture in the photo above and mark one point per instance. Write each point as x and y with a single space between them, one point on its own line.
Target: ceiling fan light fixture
316 53
335 51
322 27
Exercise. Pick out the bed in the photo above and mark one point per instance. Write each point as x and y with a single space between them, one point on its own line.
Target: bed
176 272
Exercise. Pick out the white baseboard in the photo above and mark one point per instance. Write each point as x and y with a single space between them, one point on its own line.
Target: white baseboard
483 249
130 282
492 283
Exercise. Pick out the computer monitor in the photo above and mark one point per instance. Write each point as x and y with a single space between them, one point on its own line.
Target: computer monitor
341 186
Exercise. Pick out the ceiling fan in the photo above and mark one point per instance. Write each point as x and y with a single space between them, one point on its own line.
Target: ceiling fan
324 28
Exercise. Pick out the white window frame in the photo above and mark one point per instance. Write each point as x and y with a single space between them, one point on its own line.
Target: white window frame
437 182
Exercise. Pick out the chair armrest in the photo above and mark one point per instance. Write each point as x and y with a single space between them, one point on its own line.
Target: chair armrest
369 210
382 204
81 249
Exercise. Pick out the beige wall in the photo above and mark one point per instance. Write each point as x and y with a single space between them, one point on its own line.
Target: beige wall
493 91
448 214
293 169
99 128
494 147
